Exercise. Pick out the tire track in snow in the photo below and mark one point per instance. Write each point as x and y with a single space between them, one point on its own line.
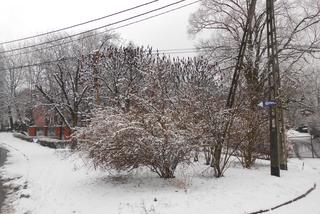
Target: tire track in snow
24 178
43 171
26 157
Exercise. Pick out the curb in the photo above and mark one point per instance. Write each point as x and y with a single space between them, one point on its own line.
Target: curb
47 142
288 202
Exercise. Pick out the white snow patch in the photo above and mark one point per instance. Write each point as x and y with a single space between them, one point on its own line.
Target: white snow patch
58 182
291 133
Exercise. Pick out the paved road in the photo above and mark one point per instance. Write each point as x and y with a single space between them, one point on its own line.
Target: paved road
302 147
3 156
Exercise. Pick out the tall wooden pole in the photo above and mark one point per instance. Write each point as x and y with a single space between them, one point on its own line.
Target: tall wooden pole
276 122
243 47
278 155
235 80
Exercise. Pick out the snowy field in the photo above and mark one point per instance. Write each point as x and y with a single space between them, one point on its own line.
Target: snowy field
53 181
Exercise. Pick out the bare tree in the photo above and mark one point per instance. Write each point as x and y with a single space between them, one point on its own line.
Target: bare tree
12 84
65 84
228 21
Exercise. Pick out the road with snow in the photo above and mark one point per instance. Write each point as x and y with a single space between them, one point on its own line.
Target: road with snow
305 147
3 156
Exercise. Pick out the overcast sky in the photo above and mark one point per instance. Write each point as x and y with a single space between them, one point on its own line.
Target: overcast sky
19 18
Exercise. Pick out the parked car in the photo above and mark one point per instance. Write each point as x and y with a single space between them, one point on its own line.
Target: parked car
302 129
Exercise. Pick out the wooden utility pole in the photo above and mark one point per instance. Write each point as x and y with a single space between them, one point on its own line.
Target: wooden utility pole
234 84
276 121
278 154
243 47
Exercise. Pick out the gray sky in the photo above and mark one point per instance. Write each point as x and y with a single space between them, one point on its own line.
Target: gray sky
19 18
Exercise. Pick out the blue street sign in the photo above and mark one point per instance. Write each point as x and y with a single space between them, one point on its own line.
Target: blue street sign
264 104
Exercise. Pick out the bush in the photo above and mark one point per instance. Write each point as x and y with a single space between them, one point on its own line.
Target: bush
124 141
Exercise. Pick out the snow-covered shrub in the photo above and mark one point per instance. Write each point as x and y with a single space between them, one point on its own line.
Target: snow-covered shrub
158 113
125 141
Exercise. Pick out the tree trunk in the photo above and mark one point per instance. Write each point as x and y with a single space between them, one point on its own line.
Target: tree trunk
10 118
74 116
216 159
207 155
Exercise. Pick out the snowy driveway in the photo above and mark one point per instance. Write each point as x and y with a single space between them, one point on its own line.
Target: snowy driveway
53 181
303 147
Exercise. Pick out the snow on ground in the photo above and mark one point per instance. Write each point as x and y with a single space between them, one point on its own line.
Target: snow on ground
59 183
310 204
293 133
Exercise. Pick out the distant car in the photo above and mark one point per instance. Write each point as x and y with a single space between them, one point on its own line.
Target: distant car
302 129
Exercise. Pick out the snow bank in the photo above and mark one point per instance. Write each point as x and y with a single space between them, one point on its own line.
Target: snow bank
53 181
293 133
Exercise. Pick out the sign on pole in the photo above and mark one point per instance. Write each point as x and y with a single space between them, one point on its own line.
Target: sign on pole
265 104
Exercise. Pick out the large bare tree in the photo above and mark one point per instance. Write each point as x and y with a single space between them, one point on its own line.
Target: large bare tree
65 83
298 26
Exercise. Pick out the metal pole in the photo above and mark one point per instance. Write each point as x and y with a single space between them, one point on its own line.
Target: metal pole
312 149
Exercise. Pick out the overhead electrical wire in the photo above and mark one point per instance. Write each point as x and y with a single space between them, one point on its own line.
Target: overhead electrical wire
164 51
93 29
79 24
161 52
37 64
100 33
168 51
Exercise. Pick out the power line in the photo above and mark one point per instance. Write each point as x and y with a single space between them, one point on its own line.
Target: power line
179 52
306 48
115 28
166 52
77 25
160 51
37 64
94 29
180 49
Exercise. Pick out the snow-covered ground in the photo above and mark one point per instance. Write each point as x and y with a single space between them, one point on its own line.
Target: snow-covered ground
53 181
293 133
